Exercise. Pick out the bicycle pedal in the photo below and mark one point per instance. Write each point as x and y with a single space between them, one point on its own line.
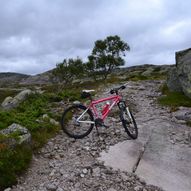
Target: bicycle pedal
106 126
99 122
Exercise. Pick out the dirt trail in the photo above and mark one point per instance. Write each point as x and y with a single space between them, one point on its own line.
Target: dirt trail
162 153
66 164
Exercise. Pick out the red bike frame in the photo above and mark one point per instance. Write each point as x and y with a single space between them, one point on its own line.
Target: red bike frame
115 100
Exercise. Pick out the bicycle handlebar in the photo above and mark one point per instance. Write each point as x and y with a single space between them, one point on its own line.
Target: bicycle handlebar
115 90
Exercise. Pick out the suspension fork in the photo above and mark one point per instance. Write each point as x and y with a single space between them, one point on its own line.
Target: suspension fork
122 105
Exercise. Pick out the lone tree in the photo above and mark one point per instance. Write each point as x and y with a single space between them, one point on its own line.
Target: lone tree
106 56
68 70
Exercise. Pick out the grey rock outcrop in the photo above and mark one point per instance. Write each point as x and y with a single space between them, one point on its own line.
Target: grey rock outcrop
179 78
173 81
183 65
23 135
184 113
22 95
10 102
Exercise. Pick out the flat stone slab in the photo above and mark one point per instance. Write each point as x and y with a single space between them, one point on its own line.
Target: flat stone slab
162 163
123 155
166 165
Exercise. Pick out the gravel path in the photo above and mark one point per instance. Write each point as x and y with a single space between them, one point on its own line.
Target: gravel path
65 164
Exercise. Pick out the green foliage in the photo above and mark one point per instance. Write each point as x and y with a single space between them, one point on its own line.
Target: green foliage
164 89
70 95
12 163
106 56
26 113
173 99
68 70
157 69
6 119
42 134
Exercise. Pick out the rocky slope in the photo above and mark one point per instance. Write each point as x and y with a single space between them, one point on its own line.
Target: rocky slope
68 164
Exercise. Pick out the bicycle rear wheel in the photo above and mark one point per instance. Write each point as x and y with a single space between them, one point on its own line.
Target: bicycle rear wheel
77 121
128 121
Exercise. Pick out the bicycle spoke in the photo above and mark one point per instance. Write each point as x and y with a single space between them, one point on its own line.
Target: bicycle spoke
77 121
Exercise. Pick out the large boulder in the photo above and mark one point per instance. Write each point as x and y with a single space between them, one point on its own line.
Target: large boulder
10 102
173 82
23 95
183 65
16 134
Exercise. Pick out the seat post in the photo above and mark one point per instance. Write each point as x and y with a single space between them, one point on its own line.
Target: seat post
91 98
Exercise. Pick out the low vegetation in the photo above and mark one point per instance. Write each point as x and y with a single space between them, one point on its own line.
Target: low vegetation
12 163
173 99
28 114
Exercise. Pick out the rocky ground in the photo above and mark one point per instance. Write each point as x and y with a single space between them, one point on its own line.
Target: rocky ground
66 164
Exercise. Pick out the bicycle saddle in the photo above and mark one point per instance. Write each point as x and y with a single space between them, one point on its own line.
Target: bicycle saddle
86 93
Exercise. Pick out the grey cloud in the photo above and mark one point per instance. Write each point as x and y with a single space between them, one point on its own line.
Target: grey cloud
37 34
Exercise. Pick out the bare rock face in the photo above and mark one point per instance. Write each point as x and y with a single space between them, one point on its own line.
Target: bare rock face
183 65
173 81
10 102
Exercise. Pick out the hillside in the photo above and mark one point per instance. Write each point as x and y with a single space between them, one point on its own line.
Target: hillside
140 72
10 78
41 112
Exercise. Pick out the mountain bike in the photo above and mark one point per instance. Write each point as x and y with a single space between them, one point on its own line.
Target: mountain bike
78 120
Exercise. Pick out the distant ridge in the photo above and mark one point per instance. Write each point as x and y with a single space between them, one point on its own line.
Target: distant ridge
11 74
11 78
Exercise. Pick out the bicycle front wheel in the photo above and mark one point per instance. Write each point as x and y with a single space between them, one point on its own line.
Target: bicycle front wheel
128 122
77 121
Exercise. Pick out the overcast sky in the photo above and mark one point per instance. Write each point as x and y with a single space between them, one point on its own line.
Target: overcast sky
37 34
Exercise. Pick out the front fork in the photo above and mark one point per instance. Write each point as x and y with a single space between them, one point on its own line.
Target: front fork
124 109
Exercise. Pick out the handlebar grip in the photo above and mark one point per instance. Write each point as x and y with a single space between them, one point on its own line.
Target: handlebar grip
112 92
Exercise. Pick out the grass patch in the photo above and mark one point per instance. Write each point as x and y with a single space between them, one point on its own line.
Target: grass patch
173 99
12 163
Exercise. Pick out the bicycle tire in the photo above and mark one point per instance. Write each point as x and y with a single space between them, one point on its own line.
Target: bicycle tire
69 124
128 122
